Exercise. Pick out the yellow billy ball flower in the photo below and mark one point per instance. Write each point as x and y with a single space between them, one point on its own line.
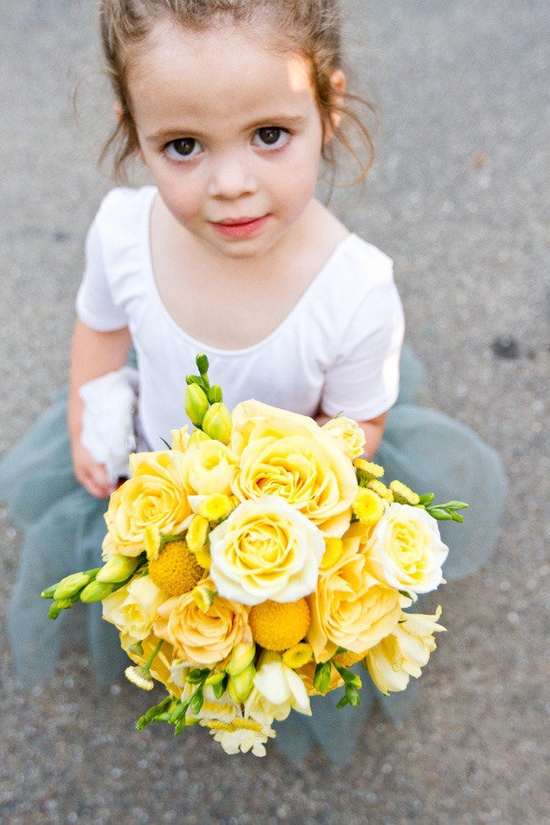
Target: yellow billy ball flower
368 506
279 625
175 570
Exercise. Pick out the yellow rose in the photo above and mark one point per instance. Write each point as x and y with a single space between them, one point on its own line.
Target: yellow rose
348 434
265 550
202 638
154 496
350 608
288 455
180 439
406 550
209 467
404 652
133 607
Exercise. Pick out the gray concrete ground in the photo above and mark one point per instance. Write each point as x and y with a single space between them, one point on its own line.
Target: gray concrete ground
460 198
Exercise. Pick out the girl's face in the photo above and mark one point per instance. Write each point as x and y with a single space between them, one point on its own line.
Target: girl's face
230 132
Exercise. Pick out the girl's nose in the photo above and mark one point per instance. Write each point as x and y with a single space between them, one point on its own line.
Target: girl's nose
231 177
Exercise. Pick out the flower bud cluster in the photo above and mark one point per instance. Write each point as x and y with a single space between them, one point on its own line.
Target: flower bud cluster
204 405
91 585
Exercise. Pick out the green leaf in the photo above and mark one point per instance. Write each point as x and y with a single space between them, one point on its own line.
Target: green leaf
438 514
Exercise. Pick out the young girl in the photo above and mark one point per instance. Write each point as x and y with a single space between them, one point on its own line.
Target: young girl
231 105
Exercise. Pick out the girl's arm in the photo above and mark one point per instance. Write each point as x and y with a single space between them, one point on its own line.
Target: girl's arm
93 354
373 429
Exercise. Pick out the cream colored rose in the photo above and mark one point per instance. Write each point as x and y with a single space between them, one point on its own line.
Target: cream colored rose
202 638
404 652
154 496
265 550
209 467
350 608
348 435
133 607
406 550
288 455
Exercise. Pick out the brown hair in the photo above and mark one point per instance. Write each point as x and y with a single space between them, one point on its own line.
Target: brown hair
311 28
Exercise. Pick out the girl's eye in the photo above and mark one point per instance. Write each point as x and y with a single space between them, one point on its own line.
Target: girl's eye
183 149
271 137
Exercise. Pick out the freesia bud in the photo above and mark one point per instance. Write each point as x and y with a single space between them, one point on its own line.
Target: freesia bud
196 403
321 680
117 569
49 591
96 591
242 655
217 422
202 363
215 394
215 678
54 610
70 585
240 685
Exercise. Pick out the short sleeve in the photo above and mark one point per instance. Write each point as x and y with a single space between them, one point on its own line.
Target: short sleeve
94 302
363 382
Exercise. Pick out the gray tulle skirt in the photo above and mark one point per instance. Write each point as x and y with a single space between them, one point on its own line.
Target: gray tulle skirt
63 528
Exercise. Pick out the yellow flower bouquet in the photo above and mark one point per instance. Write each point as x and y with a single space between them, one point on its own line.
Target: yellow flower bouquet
253 563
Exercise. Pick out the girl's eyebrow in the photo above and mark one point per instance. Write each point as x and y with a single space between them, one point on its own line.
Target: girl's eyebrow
166 135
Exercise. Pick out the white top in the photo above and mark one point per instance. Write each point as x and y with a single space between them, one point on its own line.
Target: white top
337 349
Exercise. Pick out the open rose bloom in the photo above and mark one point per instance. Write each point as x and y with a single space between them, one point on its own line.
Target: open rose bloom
255 563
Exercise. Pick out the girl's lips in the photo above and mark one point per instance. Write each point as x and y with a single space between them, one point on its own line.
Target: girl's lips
240 228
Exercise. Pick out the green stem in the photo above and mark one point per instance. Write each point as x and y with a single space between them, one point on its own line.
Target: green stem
148 664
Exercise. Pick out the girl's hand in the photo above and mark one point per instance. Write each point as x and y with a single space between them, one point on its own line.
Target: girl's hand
93 354
90 473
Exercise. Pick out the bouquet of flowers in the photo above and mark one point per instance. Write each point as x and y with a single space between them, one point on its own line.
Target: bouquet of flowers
250 565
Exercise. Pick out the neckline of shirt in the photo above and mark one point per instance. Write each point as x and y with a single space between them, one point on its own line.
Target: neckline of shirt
199 346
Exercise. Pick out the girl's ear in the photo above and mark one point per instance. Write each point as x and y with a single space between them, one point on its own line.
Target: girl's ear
338 87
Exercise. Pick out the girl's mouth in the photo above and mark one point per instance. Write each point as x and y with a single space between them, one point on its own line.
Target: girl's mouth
239 227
